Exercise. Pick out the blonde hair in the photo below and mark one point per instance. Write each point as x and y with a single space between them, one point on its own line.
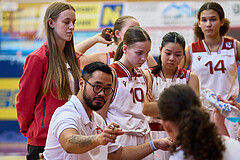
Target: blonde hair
119 24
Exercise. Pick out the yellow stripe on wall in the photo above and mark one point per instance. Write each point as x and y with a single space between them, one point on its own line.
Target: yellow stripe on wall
8 93
8 113
9 83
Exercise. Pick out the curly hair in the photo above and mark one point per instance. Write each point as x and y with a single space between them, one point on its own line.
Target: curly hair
216 7
197 136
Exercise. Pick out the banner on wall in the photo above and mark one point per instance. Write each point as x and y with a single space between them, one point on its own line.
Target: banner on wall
175 13
20 28
87 15
8 92
110 13
163 14
24 19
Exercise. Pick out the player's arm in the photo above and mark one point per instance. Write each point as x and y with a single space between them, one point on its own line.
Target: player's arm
194 82
96 57
139 151
219 120
150 107
72 142
83 46
238 51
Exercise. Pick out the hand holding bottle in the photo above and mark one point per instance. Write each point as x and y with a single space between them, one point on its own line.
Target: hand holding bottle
210 101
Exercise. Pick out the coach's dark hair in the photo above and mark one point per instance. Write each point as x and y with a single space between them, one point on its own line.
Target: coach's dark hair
170 37
216 7
92 67
197 136
131 36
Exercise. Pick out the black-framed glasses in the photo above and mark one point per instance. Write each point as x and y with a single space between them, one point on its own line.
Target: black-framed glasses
97 88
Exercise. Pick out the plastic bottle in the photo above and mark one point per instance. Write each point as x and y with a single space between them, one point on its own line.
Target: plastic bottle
210 101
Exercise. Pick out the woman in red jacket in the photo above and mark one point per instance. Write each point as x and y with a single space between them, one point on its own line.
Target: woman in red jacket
50 77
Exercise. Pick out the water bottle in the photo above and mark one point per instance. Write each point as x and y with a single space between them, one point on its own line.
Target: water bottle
210 101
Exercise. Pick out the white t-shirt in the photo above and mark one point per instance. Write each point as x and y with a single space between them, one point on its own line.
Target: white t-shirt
73 115
231 152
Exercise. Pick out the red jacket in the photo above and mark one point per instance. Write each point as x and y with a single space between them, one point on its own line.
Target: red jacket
34 109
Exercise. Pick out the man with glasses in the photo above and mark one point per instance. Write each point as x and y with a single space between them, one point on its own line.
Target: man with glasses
76 131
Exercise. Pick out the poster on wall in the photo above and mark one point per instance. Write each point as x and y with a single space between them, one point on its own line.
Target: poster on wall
87 15
158 18
163 14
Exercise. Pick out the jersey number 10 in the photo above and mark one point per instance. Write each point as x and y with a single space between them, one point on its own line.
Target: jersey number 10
137 97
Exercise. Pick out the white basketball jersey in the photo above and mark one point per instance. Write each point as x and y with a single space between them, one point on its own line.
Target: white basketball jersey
216 70
110 57
160 83
128 100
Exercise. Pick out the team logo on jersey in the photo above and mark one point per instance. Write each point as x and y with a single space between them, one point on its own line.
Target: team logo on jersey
228 44
199 58
99 130
181 75
124 83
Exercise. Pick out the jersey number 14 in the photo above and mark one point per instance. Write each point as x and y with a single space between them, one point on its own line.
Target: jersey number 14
218 67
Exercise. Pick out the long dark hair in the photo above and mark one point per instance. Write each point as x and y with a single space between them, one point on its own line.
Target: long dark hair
197 136
131 36
216 7
170 37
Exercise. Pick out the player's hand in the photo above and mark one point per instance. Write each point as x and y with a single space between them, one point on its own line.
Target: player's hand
233 102
107 34
99 39
217 117
230 101
163 143
150 96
